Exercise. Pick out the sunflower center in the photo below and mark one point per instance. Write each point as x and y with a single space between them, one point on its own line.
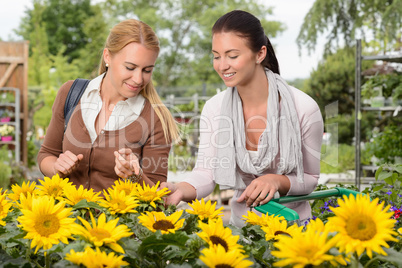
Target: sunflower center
282 233
361 227
216 240
223 266
47 225
100 233
163 225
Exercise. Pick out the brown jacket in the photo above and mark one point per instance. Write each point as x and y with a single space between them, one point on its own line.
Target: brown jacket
144 137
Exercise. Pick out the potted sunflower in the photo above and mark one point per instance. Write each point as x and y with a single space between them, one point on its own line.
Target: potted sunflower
7 132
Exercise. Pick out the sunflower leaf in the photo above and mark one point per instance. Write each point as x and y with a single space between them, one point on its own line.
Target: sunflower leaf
393 256
159 242
85 204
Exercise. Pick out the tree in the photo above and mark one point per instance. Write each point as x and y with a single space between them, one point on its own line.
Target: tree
184 30
332 82
343 20
63 22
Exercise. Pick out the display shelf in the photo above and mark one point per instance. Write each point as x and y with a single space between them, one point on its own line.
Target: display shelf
394 57
15 120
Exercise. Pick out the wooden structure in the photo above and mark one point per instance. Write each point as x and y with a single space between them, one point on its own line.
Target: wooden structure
14 73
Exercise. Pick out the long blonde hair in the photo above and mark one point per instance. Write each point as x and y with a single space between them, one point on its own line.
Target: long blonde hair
136 31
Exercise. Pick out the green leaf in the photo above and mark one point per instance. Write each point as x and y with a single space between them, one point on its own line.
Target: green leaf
159 242
379 187
377 173
393 256
398 169
383 175
184 265
85 204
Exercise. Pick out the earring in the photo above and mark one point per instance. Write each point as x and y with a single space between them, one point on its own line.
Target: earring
107 65
258 62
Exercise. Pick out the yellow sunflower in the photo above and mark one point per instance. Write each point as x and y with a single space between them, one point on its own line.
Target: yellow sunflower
5 206
76 257
149 194
74 195
119 202
47 224
217 256
25 201
53 186
263 220
104 233
362 225
96 259
25 188
303 249
317 225
400 231
278 228
205 210
214 233
155 221
129 187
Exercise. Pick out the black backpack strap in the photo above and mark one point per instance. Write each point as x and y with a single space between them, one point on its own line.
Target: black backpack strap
73 97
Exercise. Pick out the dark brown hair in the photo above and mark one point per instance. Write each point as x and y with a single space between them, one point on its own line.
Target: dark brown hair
247 26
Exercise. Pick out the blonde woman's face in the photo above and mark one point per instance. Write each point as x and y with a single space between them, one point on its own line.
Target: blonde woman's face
130 70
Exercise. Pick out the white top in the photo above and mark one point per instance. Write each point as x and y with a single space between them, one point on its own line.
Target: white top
124 113
311 128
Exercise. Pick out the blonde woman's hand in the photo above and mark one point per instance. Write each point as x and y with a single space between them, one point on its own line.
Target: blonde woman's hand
126 163
66 163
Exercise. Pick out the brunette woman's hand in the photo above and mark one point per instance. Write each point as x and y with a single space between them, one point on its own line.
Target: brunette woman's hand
126 163
66 163
175 195
262 189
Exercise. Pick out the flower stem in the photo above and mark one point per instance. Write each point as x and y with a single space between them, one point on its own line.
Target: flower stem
370 261
355 261
47 259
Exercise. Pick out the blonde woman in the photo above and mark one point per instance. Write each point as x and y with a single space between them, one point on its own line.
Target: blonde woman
120 128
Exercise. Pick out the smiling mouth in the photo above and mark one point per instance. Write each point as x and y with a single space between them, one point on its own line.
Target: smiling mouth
133 87
228 75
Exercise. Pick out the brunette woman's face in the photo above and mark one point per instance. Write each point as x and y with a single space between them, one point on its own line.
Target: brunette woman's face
233 60
130 70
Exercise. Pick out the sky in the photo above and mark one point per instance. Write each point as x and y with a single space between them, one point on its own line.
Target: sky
289 12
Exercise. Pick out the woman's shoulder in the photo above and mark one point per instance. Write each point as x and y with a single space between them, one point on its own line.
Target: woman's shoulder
304 103
214 104
62 93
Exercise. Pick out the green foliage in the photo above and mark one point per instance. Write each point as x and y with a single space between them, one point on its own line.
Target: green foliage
332 84
333 81
5 168
340 158
390 85
387 145
32 152
344 20
42 116
62 22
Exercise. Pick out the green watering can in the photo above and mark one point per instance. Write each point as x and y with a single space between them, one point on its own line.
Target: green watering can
275 207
